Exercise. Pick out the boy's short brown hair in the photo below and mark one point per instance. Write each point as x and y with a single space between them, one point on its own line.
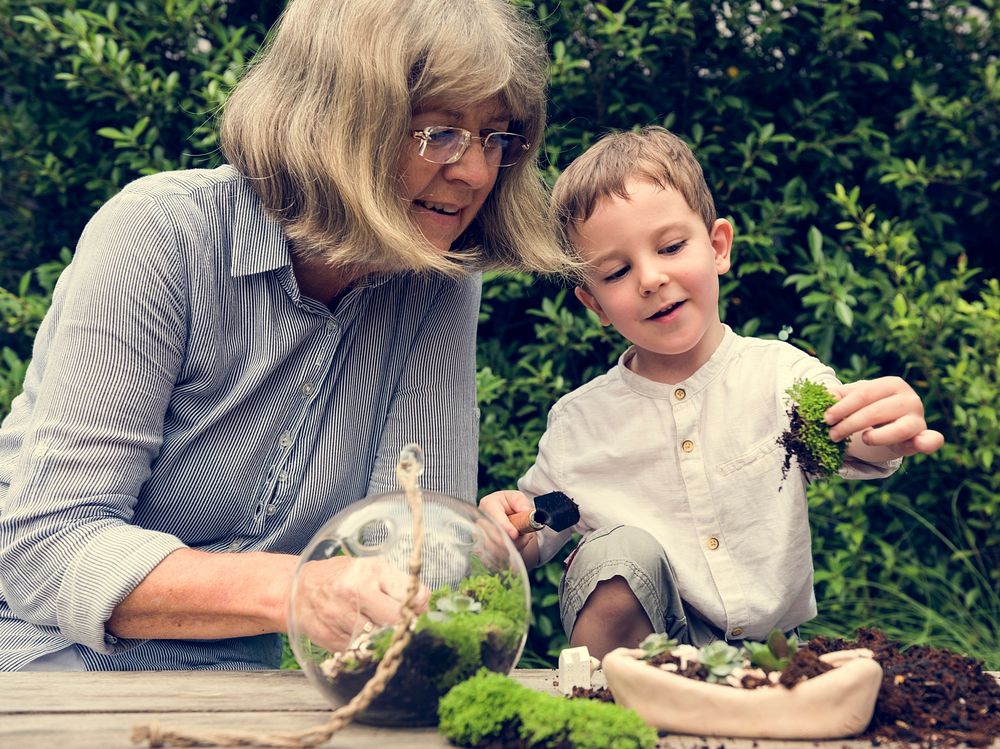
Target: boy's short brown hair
653 153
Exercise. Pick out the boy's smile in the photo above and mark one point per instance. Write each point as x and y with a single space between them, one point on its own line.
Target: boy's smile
654 276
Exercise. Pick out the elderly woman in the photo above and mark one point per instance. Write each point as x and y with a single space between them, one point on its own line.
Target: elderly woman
236 354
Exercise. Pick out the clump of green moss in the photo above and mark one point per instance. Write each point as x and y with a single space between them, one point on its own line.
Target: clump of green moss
478 623
807 438
491 709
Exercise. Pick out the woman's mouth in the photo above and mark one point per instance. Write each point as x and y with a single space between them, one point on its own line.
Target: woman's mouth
444 210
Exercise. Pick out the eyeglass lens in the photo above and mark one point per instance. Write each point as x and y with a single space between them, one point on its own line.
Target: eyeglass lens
443 145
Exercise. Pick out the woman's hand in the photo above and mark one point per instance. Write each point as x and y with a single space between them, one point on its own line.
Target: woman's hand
499 505
336 597
885 414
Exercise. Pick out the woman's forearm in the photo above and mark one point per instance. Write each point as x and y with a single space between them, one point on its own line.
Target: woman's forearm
200 595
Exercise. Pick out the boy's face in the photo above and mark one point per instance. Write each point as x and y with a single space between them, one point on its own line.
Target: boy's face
654 276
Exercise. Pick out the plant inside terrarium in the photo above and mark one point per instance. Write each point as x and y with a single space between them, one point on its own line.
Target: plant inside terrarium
807 439
478 623
476 614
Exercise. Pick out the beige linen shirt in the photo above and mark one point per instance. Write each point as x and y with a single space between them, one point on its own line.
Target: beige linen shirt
698 465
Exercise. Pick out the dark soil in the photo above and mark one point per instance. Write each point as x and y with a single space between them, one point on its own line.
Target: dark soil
930 697
805 664
794 448
601 694
411 696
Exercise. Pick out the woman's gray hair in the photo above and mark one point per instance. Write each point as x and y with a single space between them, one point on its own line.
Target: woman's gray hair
322 117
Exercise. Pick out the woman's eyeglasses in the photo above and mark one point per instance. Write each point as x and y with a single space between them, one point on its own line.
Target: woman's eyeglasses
446 145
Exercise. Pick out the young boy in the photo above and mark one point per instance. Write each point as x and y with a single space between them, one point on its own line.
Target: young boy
689 526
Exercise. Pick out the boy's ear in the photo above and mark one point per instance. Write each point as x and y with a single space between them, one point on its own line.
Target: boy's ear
591 303
722 242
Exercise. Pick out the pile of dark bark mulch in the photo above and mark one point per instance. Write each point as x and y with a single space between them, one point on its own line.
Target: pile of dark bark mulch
930 697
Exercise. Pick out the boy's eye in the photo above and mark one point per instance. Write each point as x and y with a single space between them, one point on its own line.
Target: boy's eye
620 273
673 248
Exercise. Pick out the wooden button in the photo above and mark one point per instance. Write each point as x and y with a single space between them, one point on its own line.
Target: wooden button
687 446
737 631
679 394
712 543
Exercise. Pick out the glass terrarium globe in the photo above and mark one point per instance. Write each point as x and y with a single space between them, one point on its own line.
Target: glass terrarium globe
477 614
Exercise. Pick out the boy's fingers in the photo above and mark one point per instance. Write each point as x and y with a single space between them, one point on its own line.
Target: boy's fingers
928 441
894 433
899 407
855 396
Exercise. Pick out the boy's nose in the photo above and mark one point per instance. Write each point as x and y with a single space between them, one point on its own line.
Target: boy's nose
651 280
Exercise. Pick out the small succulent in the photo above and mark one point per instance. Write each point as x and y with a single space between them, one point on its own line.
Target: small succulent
721 659
775 654
449 605
655 644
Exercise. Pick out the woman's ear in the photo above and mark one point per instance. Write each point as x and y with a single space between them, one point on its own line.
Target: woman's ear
591 303
722 242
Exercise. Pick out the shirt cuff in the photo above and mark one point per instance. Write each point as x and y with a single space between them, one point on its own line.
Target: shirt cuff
109 567
859 469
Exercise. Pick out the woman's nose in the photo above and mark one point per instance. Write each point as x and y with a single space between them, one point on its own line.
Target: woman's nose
472 168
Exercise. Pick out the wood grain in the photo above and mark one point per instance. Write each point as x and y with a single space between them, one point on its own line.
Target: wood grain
97 710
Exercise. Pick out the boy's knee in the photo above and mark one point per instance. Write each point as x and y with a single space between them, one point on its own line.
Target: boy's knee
620 542
613 600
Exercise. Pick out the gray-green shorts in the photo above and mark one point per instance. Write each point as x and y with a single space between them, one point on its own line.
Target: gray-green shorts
633 554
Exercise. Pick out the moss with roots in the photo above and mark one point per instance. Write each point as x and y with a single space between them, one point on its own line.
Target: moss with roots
807 438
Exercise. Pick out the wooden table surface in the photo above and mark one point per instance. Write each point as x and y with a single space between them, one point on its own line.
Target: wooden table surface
97 710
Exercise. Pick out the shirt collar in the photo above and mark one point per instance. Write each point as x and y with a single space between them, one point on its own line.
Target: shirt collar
258 241
699 380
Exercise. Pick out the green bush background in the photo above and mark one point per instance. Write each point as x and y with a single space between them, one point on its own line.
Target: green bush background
854 144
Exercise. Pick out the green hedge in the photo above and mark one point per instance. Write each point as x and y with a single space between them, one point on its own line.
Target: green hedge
854 144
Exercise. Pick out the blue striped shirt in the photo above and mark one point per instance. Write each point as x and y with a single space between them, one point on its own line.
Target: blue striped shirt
183 393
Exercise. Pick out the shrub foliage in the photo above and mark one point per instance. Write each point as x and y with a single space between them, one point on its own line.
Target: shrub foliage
854 144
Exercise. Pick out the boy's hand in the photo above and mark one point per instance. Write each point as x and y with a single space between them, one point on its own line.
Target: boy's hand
882 413
499 505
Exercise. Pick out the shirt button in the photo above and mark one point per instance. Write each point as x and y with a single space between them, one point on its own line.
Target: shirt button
736 632
282 476
285 440
679 394
712 543
331 324
308 388
235 544
687 446
271 509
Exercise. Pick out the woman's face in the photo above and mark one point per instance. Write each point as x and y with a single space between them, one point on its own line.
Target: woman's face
445 198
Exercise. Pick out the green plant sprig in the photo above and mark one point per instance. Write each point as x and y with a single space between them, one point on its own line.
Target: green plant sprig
808 435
